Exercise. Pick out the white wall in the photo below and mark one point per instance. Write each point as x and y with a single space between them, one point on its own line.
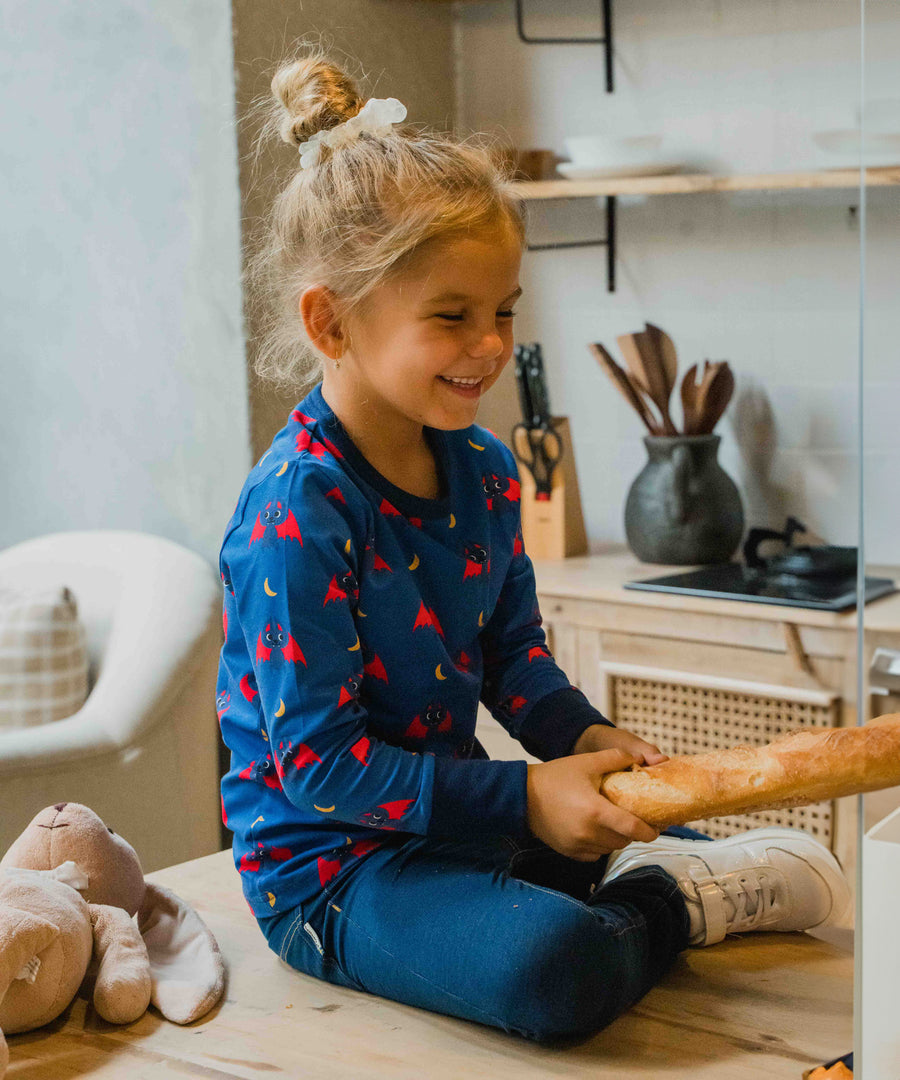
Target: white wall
768 281
124 387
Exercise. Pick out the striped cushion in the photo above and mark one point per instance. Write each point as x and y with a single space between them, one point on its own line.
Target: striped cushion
43 657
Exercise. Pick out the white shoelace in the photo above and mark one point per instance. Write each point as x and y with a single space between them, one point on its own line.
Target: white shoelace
749 885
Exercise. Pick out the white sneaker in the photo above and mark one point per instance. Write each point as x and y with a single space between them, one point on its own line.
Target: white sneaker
763 879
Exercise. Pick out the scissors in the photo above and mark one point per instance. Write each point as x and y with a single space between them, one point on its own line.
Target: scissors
535 443
539 450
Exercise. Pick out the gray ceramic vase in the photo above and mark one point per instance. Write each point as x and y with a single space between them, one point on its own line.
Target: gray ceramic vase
683 509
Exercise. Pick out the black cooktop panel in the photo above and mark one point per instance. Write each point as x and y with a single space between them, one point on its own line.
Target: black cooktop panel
733 581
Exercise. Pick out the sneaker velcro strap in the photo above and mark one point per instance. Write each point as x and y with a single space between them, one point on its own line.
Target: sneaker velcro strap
709 893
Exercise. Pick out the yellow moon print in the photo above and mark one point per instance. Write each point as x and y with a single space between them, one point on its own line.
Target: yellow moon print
269 592
265 455
271 897
281 472
280 710
361 614
324 809
353 648
437 672
481 618
452 522
347 546
414 563
475 446
258 820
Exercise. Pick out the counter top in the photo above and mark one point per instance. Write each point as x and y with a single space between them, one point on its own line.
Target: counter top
601 577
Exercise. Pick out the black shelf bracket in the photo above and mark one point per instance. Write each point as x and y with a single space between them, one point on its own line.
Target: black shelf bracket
609 242
606 40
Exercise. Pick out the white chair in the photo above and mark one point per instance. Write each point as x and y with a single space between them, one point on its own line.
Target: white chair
143 751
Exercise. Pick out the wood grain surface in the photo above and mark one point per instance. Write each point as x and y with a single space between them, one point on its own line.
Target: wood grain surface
760 1005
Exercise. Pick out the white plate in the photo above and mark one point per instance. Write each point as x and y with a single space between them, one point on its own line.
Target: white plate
597 172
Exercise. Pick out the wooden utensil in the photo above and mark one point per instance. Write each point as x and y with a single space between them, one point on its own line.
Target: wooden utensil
646 366
721 387
709 371
689 399
626 387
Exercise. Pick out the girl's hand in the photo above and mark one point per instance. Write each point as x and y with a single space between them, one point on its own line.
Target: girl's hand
603 737
567 811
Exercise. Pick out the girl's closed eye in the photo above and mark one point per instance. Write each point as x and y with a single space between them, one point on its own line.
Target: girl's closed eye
459 316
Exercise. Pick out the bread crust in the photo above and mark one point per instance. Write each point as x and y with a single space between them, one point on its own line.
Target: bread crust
799 768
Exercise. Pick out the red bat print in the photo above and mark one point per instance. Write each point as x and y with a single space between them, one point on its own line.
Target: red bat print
350 690
301 418
225 622
291 651
305 441
280 854
301 755
514 703
463 662
537 651
247 864
518 547
336 494
363 846
223 704
375 668
327 869
332 449
274 522
389 811
246 689
224 815
416 522
360 749
388 510
514 492
427 617
265 770
435 717
380 564
335 592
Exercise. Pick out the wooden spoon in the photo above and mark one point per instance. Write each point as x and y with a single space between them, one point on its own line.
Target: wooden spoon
709 371
626 386
721 387
647 368
689 400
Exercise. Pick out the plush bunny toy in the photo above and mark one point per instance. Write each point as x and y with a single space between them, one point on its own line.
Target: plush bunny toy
69 887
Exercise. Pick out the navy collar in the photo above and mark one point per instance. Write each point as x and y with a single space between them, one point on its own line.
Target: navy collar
315 405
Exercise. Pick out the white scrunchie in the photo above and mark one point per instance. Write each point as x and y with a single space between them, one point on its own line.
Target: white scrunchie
375 118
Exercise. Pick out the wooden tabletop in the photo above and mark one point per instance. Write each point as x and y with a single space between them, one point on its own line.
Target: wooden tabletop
767 1005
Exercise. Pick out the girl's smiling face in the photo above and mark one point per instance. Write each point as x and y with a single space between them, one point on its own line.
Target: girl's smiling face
432 339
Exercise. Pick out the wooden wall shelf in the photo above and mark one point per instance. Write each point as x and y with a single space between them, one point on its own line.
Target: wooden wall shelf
695 183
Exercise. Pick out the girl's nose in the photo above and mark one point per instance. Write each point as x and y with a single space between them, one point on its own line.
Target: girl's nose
487 344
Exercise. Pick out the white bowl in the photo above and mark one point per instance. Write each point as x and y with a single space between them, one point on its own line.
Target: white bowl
610 151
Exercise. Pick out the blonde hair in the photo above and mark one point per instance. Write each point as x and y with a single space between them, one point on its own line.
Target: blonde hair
360 214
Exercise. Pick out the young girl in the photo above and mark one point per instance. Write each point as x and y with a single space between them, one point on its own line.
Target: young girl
376 588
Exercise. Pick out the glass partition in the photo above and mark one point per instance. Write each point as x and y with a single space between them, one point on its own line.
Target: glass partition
878 145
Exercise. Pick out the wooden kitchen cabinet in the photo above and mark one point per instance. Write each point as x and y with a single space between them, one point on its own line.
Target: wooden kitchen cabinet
694 674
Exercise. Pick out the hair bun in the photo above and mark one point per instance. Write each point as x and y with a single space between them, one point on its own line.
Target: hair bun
316 95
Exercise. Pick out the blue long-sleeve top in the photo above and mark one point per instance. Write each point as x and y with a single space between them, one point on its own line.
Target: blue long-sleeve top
362 626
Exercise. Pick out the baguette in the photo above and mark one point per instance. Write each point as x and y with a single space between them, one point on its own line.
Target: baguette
797 769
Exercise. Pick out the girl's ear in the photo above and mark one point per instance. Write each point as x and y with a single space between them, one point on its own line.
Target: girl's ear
319 313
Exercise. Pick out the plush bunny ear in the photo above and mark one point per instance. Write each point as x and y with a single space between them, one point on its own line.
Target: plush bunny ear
187 971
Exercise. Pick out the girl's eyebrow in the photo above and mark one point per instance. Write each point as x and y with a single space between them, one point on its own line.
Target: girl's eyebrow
452 296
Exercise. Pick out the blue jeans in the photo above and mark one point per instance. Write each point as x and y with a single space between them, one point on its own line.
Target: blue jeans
507 934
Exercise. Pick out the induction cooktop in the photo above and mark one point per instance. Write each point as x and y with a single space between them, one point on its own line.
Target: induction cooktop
734 581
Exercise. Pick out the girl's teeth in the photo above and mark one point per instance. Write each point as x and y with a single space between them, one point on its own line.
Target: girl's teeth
461 382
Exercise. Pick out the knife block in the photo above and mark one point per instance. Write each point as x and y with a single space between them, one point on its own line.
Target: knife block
553 528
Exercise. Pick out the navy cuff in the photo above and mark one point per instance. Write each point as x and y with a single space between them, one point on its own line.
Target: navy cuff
556 721
479 798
